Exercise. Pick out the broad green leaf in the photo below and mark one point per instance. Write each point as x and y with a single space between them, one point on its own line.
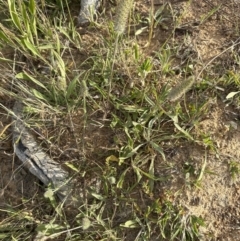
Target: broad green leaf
174 118
112 158
130 224
139 31
97 196
231 95
112 180
86 223
49 194
84 88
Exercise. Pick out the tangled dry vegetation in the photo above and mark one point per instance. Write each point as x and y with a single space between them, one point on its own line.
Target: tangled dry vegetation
141 107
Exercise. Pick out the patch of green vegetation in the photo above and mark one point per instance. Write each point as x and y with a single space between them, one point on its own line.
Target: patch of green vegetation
131 89
234 169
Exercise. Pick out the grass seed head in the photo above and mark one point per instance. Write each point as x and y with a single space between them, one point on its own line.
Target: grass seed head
122 10
179 90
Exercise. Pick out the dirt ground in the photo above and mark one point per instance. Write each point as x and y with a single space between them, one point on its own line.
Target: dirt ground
199 38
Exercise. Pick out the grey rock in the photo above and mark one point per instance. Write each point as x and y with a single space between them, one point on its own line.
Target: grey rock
35 159
88 9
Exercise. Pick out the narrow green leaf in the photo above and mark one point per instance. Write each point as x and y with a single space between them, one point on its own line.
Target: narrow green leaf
4 37
46 46
152 177
2 236
139 175
202 169
31 47
158 149
72 86
71 166
183 131
25 17
49 228
24 75
61 65
32 6
39 95
6 60
14 14
151 172
130 154
132 108
121 179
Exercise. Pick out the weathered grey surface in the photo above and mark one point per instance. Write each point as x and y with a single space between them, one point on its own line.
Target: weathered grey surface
35 159
88 9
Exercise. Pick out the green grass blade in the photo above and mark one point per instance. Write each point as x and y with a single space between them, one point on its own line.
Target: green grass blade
25 76
14 15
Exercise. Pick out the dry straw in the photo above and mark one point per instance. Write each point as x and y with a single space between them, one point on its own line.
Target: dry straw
122 12
179 90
